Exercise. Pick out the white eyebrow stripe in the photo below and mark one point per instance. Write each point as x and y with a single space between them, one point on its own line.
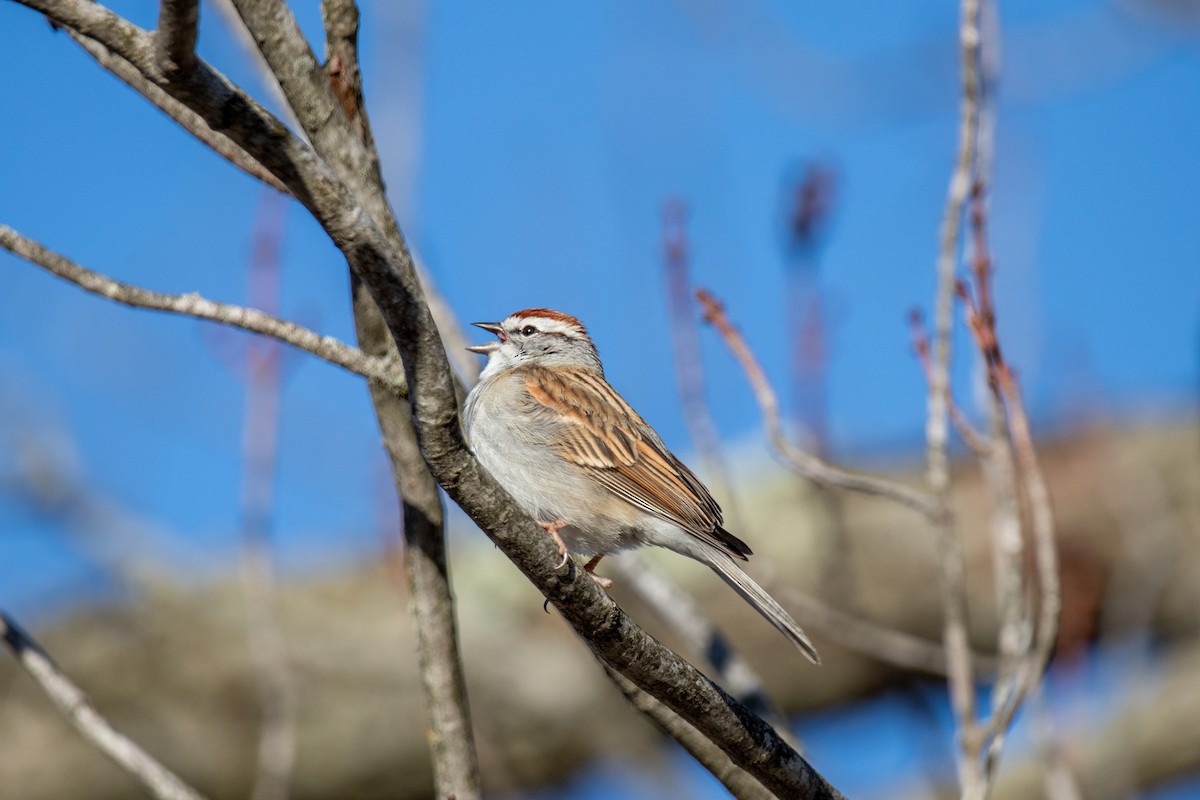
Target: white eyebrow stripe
543 324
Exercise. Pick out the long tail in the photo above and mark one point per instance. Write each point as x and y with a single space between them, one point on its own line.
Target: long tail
756 596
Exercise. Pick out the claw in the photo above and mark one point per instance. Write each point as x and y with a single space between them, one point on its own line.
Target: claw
552 528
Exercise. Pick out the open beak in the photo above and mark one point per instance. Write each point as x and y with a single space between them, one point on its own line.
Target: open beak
488 347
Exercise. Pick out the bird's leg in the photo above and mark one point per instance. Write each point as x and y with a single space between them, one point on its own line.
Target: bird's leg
553 527
590 567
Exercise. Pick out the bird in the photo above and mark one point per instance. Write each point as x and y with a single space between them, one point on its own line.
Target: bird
548 426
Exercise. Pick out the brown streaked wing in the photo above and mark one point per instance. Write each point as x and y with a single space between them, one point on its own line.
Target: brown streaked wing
598 430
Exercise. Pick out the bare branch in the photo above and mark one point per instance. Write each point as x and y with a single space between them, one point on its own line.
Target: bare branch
680 612
189 120
974 438
953 566
328 104
877 641
451 741
224 108
689 365
193 305
806 464
310 94
739 783
981 318
75 706
175 39
260 454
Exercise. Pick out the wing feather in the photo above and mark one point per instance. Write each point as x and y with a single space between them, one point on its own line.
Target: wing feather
596 429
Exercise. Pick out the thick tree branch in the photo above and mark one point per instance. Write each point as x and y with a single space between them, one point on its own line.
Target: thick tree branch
308 91
75 706
452 746
189 120
377 370
224 108
677 608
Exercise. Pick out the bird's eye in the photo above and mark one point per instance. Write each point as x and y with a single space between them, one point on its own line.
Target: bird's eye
528 330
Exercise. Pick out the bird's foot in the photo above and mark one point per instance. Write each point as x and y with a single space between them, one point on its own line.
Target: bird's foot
553 527
601 581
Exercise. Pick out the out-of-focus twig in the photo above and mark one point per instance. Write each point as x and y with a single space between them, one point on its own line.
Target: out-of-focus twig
804 463
79 711
677 608
974 438
877 641
260 438
807 316
193 305
689 367
971 776
981 319
808 221
739 783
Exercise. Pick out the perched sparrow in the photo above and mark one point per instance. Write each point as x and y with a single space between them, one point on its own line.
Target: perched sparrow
580 461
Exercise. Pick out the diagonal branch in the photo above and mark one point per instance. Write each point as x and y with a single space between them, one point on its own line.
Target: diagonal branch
677 608
739 782
189 120
79 711
451 740
328 348
808 465
875 640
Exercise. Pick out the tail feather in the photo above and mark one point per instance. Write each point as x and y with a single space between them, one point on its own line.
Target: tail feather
763 603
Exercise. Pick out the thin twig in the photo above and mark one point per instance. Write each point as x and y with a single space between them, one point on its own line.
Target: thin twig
1017 624
949 545
193 305
79 711
689 365
260 447
974 438
877 641
189 120
740 783
679 611
806 464
981 319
